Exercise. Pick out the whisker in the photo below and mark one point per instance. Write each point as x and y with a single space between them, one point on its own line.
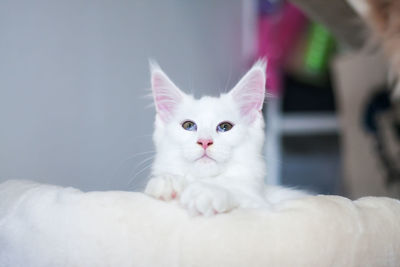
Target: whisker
145 160
142 153
123 162
139 164
132 180
142 170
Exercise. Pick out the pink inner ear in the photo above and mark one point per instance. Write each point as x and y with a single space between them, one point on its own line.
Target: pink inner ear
250 93
161 98
166 95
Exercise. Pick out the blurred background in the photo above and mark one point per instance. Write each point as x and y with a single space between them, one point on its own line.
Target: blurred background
74 81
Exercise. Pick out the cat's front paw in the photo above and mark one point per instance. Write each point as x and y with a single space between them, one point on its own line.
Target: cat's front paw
165 187
207 200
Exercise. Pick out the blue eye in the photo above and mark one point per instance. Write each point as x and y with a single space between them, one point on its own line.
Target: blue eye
224 126
189 126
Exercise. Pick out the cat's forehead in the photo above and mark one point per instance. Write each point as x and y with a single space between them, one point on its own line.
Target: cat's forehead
209 107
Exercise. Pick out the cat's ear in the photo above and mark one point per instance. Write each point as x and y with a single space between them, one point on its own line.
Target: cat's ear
167 95
249 93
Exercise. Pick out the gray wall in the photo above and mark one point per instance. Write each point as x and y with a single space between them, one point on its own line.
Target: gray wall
73 76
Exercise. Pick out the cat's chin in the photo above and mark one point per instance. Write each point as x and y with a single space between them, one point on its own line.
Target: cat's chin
206 167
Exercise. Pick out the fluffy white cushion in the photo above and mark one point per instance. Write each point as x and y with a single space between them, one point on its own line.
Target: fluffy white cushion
43 225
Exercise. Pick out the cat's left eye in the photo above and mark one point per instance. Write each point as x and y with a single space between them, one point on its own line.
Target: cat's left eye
224 126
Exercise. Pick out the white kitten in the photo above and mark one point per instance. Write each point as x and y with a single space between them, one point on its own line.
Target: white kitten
209 151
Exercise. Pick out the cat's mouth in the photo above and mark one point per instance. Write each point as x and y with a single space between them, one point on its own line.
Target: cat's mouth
205 158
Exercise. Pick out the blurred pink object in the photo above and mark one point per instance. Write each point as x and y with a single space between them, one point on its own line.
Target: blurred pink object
278 33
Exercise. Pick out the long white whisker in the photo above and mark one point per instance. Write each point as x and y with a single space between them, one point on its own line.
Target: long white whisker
136 175
123 162
142 153
137 166
145 160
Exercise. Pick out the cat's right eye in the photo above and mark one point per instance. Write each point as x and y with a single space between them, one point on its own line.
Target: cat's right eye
189 126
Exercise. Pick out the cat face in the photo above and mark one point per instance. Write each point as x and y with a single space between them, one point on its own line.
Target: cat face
202 137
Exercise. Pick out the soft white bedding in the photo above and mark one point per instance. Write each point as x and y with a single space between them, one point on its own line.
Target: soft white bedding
50 226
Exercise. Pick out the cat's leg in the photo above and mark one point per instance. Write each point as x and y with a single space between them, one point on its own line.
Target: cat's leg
206 199
219 195
166 187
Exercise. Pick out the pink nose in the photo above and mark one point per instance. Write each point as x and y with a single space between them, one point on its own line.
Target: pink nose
205 143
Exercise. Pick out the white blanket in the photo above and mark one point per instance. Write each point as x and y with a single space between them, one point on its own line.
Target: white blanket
50 226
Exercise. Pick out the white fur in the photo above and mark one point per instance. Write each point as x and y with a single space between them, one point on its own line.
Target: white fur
234 177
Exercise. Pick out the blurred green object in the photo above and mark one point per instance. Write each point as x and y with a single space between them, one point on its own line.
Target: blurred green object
319 49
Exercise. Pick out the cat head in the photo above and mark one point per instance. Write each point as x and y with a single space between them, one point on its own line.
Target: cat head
207 136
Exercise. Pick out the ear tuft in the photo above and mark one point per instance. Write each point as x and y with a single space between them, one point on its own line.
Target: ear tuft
167 95
249 93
